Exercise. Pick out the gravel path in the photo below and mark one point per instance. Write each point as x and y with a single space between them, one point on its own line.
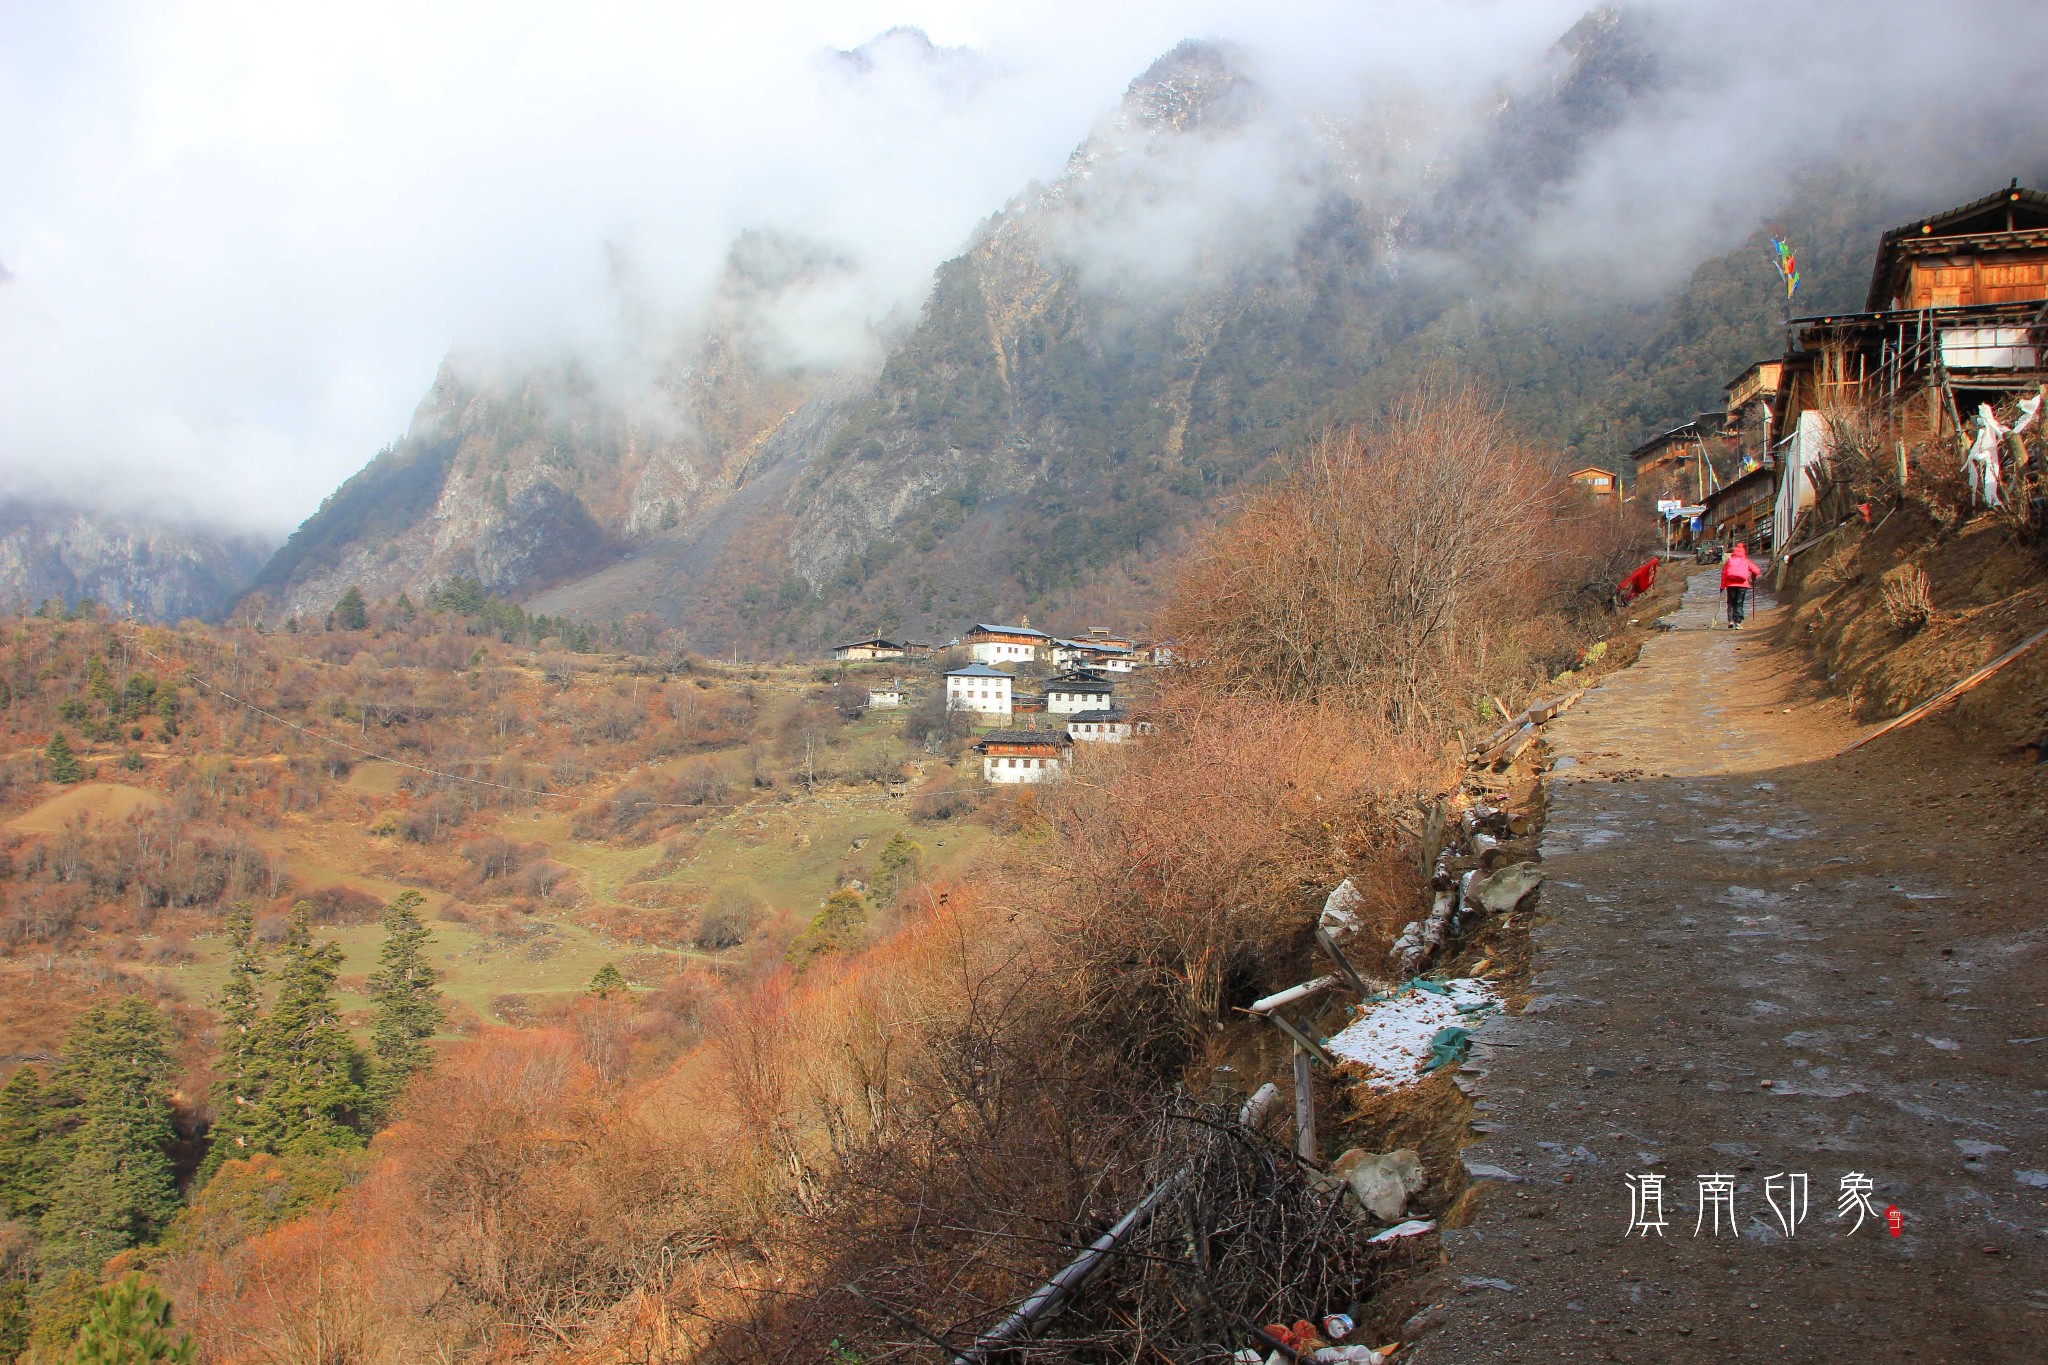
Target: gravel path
1757 959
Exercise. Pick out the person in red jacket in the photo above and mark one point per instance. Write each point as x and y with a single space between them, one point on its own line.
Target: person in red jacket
1738 573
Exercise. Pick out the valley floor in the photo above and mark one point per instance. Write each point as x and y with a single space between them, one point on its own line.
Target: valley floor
1756 958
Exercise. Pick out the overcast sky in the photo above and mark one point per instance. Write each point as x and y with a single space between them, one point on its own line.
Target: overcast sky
240 237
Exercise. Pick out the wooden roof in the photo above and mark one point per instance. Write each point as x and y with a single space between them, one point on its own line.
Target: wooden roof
1997 220
1029 739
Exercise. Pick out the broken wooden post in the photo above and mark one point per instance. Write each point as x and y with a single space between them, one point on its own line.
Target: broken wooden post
1304 1104
1336 955
1301 1039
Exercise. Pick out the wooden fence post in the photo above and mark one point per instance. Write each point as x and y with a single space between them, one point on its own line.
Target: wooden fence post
1304 1105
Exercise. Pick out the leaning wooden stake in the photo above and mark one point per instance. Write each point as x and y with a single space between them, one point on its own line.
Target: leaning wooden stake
1304 1105
1948 693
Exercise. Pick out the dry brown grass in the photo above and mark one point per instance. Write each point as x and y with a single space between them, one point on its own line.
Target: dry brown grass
1908 597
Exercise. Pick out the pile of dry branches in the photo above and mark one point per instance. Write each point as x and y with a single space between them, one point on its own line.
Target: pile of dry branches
1245 1236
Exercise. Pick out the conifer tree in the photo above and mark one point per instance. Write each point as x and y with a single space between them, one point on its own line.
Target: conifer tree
307 1065
24 1165
99 684
607 982
167 711
407 1007
63 763
130 1324
117 1186
238 1114
349 612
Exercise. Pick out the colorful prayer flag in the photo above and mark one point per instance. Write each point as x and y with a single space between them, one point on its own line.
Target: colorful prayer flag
1787 264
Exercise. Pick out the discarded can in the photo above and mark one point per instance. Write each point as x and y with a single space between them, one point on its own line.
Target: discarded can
1338 1326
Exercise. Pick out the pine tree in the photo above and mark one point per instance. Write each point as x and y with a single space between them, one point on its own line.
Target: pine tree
307 1066
130 1324
99 684
406 611
607 982
407 1007
238 1113
117 1187
349 612
167 711
63 763
838 926
24 1165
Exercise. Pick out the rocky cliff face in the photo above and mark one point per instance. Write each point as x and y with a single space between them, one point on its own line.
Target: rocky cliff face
127 565
528 476
1217 273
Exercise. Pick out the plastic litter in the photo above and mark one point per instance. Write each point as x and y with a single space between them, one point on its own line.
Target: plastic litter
1448 1047
1414 1227
1340 912
1347 1355
1392 1034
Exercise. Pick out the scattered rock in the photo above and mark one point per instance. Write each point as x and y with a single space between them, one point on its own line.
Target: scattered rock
1500 891
1480 1170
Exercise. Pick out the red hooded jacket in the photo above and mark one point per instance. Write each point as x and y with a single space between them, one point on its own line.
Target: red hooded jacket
1739 571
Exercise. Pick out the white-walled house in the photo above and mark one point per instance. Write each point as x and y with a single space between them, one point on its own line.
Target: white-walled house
1023 755
988 644
980 689
1112 725
885 698
1078 691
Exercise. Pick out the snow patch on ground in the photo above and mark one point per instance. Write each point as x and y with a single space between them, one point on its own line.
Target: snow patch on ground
1390 1038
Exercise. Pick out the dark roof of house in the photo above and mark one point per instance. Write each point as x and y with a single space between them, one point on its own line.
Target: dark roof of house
987 629
1080 686
1109 715
877 640
977 670
2028 209
1054 738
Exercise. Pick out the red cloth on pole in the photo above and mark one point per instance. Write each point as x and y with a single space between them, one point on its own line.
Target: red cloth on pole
1639 582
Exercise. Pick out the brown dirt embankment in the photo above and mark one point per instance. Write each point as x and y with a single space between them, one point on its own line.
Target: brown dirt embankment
1986 592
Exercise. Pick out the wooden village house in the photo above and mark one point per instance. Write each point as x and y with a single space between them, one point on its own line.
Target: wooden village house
860 651
987 644
1954 317
1600 483
1023 755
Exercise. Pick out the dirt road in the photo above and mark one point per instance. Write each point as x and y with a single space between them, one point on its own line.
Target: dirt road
1758 960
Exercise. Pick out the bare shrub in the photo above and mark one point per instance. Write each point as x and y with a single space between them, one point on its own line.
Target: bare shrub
1190 861
1374 570
1908 597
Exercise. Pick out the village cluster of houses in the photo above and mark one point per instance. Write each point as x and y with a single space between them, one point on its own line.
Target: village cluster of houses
1079 702
1955 321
